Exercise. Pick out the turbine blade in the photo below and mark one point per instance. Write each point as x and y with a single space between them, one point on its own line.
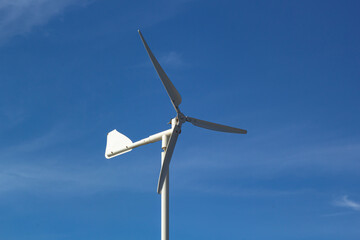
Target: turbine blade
214 126
170 88
168 154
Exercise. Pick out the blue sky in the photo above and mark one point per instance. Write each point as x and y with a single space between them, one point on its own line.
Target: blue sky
287 71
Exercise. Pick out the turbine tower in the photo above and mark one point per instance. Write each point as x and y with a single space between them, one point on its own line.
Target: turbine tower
118 143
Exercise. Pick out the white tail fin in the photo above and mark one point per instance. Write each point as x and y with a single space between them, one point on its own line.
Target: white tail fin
115 143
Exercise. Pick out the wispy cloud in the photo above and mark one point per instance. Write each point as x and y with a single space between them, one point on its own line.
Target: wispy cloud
261 156
171 59
167 60
18 17
40 176
344 201
34 166
238 191
337 214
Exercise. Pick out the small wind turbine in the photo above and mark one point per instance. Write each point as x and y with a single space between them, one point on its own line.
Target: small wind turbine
118 143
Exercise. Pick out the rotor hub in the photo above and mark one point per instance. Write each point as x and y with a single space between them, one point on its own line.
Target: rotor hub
181 117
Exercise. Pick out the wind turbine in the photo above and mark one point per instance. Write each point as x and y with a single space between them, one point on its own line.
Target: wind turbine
118 143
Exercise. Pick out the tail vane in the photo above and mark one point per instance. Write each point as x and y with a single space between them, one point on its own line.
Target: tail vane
115 142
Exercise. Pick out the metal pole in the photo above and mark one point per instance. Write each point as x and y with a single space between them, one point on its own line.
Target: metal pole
164 196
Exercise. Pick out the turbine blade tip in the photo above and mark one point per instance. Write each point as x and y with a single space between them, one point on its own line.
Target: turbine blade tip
158 189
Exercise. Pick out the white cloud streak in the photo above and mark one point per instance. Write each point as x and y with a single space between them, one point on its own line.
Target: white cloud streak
172 59
346 202
262 157
31 169
19 17
25 168
49 177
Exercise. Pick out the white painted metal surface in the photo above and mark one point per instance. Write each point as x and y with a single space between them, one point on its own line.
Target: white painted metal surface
165 195
118 143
